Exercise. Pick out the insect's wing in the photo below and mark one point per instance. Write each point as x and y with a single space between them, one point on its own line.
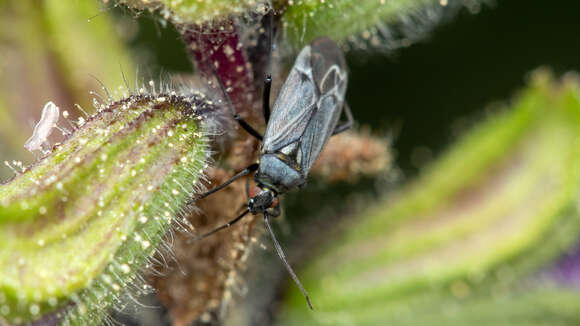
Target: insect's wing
294 106
328 67
330 77
309 104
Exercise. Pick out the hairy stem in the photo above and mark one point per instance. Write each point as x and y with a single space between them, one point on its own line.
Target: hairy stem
76 228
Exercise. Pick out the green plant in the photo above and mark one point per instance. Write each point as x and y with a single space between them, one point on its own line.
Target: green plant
81 226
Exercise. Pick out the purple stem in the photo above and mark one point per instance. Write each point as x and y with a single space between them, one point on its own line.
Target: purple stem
219 49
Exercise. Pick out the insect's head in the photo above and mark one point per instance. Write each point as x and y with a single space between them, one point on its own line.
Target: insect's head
261 198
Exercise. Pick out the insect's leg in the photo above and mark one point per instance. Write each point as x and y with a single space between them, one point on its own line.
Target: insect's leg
349 121
283 258
240 174
237 117
266 98
227 225
249 129
268 80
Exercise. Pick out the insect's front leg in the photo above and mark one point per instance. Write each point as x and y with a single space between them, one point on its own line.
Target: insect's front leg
349 121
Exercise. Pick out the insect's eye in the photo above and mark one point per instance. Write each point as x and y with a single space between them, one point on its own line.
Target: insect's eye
254 191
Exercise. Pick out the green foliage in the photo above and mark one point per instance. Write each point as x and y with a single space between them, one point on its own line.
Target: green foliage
199 11
79 225
304 20
498 205
340 19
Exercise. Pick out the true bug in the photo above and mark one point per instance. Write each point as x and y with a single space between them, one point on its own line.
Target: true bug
305 115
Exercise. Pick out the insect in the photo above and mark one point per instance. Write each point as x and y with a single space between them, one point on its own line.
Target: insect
305 115
44 127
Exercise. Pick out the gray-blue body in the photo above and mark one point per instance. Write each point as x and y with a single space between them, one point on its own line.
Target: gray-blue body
304 116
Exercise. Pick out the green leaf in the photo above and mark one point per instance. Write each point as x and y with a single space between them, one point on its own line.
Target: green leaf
500 204
341 20
78 226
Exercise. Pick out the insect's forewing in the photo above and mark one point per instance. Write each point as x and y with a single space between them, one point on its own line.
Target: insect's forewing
330 77
309 104
293 107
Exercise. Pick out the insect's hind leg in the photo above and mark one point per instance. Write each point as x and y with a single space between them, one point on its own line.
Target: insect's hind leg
240 174
349 121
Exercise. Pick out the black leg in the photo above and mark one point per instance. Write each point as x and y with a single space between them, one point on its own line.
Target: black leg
346 125
283 258
266 98
249 129
227 225
240 174
237 117
268 79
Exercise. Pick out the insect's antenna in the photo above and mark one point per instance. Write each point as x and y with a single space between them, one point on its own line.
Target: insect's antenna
227 225
224 91
283 258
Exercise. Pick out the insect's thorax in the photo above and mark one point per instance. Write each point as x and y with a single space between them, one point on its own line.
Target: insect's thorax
278 172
